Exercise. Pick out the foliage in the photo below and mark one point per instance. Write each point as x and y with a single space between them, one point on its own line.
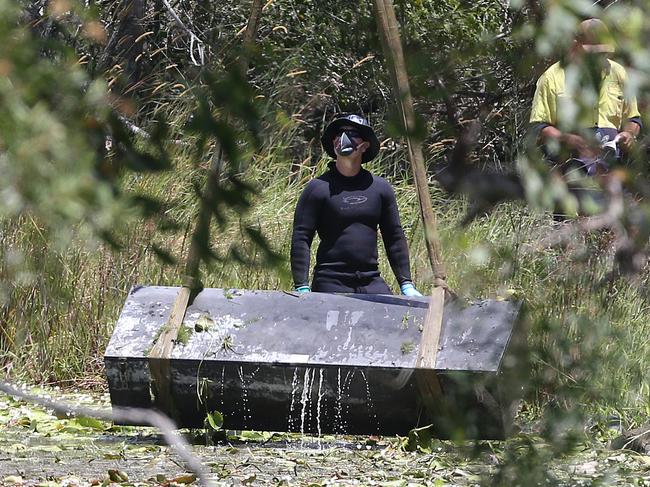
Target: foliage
62 451
69 161
214 420
70 201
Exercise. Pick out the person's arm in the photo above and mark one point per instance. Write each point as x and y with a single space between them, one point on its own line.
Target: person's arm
304 227
543 109
543 120
628 135
632 127
632 117
395 243
573 142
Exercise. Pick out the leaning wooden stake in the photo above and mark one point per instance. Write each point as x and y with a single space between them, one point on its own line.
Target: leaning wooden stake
389 32
388 28
249 33
160 354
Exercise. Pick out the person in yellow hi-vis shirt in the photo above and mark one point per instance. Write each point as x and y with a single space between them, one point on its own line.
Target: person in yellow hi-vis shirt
561 102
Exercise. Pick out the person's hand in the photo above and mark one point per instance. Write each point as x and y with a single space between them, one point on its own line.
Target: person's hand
625 140
580 145
303 289
408 289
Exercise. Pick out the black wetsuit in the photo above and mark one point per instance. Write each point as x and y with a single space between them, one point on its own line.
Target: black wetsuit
346 212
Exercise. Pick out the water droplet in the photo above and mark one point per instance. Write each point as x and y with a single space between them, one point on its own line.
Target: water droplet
371 407
304 399
294 390
318 404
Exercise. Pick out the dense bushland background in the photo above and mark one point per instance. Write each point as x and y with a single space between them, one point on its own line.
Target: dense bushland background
110 113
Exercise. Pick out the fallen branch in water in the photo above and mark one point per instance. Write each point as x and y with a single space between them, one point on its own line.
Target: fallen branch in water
121 415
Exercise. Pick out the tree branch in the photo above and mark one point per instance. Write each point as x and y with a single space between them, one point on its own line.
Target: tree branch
121 415
194 39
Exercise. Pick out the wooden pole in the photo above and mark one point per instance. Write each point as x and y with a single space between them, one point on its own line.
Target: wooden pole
160 354
249 33
428 382
389 32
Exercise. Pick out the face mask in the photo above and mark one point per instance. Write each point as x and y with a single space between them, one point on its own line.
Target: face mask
347 143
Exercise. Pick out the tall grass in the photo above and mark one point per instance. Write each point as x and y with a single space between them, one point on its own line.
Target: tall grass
60 312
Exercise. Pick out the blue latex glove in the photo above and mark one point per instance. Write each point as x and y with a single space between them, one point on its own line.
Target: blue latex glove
408 289
303 289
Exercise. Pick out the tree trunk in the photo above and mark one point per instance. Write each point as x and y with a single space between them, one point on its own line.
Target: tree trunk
133 19
249 35
122 47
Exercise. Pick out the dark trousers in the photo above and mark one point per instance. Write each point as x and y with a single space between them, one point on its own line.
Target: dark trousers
350 284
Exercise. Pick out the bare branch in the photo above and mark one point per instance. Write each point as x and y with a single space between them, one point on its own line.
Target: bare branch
135 130
121 415
194 39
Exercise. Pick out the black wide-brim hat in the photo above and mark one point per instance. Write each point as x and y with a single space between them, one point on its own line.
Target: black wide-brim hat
362 126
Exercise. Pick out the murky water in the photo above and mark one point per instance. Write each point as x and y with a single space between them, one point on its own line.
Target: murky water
40 448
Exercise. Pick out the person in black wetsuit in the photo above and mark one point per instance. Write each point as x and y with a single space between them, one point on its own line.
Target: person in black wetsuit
346 206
